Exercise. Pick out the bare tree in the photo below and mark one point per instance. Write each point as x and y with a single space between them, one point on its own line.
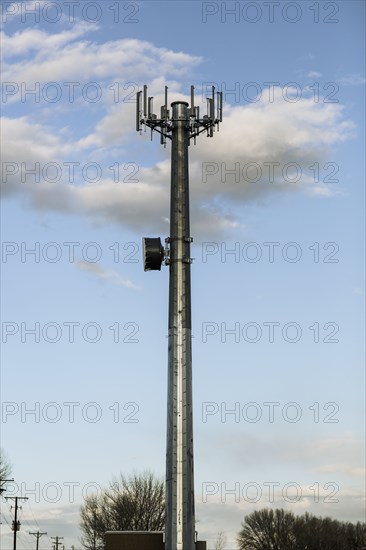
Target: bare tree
130 503
280 530
267 529
93 523
5 470
220 541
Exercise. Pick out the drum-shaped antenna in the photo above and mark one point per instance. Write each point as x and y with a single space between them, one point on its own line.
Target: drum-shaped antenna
152 253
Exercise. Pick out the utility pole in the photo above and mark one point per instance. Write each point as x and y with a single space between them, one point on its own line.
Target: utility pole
16 523
57 542
38 536
183 125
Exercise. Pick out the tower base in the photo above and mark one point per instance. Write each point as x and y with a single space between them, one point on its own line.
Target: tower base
140 540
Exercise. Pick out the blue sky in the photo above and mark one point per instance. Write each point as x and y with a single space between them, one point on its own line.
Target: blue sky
99 392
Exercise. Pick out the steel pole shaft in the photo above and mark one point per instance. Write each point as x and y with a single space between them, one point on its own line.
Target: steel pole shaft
15 524
180 516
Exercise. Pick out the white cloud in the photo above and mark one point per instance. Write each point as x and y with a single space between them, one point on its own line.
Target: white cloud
359 291
27 140
279 133
60 57
104 274
353 80
345 469
282 132
41 43
314 74
277 457
52 518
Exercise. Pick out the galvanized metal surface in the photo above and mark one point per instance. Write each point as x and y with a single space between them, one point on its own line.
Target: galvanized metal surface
181 125
180 514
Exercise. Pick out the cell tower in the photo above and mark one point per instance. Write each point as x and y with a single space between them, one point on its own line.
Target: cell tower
181 124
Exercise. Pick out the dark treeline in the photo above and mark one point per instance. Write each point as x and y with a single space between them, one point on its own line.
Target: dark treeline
136 503
269 529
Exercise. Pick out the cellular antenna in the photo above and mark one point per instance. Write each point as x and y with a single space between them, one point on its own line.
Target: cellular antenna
138 111
192 111
212 110
219 107
145 101
166 112
164 125
150 108
180 125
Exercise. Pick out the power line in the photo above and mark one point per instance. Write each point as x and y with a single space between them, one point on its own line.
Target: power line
4 517
22 539
25 542
37 525
34 519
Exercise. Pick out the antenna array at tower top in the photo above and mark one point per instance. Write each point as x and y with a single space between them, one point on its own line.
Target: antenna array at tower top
164 123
